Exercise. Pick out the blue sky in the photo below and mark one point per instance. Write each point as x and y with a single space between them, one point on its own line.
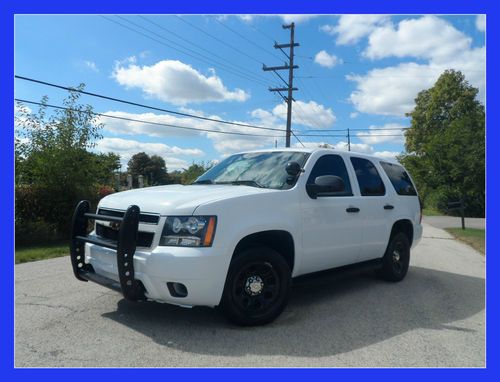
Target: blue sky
356 72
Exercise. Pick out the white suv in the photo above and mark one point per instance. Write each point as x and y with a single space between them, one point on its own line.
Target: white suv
237 236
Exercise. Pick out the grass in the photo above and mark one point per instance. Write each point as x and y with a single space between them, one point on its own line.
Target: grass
471 236
431 212
23 255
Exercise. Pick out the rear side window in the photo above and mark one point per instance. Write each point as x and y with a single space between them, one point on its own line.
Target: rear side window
331 165
399 179
370 183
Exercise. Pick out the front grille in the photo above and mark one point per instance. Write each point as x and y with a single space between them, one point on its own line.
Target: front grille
144 239
147 218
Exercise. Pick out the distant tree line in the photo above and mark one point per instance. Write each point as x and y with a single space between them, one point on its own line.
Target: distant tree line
155 173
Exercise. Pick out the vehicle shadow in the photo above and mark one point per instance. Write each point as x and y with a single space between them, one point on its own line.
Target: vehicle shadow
326 315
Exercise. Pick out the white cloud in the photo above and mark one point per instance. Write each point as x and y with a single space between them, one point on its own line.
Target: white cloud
309 114
119 126
393 134
362 148
354 114
341 146
296 18
351 28
246 18
355 147
428 37
325 59
387 154
175 82
223 143
481 23
126 148
392 90
91 65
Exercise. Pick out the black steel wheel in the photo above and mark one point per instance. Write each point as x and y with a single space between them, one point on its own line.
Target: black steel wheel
257 287
396 260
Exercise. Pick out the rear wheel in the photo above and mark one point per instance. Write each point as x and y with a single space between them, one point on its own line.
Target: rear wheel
396 260
257 287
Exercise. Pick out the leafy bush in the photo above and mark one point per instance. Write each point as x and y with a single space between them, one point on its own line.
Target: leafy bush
36 232
43 215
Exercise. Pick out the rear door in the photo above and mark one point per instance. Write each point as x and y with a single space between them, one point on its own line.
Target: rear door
332 229
376 208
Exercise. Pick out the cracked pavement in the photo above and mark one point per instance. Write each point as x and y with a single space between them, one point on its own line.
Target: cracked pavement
434 318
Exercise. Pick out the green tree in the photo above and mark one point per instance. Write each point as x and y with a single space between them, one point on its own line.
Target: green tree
54 167
153 168
106 166
189 175
445 144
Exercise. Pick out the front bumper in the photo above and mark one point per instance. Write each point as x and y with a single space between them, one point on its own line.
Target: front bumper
141 275
200 270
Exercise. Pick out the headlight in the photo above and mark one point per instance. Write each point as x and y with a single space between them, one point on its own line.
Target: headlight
189 231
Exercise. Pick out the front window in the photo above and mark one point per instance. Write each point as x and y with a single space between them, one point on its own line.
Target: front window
260 169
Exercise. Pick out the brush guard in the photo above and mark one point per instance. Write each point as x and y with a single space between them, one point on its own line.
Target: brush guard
125 247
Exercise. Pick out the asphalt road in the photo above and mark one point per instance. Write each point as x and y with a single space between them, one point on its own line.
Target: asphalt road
435 317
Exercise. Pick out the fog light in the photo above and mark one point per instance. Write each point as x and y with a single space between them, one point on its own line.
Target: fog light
177 289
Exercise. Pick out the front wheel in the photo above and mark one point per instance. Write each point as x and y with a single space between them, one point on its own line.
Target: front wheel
396 259
257 287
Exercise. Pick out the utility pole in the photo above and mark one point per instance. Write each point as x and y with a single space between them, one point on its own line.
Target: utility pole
290 66
348 140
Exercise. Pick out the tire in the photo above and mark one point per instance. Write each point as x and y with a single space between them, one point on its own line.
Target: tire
257 287
396 260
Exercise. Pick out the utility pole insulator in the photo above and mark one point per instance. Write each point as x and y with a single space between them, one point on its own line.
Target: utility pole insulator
290 66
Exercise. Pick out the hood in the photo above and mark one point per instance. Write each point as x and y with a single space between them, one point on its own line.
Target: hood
176 199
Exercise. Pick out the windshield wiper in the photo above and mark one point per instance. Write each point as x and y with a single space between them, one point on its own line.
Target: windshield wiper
251 183
204 181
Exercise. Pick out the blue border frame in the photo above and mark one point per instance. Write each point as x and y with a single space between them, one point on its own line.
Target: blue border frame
10 7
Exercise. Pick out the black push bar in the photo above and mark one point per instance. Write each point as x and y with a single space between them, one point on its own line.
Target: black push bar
125 247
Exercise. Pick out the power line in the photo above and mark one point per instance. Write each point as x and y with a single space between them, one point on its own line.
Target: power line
200 47
194 55
245 38
345 135
298 139
261 32
143 121
219 40
362 129
142 105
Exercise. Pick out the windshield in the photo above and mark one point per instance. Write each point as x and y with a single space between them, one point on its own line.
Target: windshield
264 169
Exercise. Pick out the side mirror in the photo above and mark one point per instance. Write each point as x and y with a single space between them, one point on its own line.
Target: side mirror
326 184
293 168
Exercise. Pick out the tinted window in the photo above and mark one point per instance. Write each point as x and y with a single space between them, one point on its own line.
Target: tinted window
370 183
399 178
331 165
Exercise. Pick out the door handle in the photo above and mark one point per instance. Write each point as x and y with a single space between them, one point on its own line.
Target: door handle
388 207
352 209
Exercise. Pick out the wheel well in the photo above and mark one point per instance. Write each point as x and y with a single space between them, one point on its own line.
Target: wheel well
280 241
404 226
